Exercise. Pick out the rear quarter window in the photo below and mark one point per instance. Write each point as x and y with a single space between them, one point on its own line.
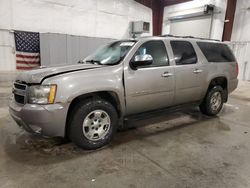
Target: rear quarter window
216 52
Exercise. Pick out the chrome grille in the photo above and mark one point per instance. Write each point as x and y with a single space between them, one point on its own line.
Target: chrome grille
20 92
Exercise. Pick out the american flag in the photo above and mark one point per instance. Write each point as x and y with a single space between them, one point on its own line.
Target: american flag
27 50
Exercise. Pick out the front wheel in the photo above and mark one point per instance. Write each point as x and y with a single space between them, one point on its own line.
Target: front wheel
213 102
93 124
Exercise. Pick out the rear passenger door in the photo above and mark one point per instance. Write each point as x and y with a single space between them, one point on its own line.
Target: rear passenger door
189 72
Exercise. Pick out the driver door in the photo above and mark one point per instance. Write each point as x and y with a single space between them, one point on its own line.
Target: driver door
150 87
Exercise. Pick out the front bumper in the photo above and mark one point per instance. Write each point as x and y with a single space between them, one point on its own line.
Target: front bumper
47 120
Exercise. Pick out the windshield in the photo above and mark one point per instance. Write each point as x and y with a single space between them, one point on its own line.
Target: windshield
111 54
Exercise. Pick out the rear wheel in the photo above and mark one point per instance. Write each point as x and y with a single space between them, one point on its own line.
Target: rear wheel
213 102
93 124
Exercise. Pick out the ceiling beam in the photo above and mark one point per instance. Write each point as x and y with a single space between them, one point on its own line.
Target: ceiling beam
147 3
173 2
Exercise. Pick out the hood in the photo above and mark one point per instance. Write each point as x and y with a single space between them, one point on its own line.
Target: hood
37 75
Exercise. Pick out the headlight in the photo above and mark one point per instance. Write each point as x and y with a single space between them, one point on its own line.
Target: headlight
42 94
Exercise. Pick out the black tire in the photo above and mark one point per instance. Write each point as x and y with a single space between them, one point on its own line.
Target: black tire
206 107
80 112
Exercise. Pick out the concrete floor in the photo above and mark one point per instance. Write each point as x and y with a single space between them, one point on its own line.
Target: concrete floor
182 149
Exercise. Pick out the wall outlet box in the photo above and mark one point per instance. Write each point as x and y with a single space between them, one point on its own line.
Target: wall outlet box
140 27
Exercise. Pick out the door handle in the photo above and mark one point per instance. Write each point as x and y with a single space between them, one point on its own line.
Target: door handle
197 71
167 74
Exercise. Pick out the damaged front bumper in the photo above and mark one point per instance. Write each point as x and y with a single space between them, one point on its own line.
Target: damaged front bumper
47 120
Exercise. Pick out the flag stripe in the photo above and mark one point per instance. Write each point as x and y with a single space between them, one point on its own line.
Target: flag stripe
26 53
28 60
27 63
26 56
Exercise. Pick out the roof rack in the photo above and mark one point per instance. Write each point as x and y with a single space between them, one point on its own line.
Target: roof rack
192 37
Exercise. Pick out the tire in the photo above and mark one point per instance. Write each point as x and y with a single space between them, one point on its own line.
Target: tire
93 123
213 101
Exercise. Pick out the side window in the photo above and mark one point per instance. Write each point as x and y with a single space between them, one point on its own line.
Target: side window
216 52
157 50
184 53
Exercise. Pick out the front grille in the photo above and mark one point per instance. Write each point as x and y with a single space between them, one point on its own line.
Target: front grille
19 99
20 86
20 94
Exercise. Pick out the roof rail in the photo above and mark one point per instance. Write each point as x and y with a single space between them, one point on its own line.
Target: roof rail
192 37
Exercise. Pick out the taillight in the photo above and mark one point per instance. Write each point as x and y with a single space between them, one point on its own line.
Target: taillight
237 70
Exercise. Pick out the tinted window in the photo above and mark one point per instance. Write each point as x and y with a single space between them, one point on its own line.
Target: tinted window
184 53
157 50
216 52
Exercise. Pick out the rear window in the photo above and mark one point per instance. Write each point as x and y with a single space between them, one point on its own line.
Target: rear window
216 52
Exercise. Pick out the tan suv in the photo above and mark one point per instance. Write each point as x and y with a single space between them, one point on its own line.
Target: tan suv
88 101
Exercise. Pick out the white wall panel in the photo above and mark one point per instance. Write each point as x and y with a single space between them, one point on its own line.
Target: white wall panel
197 27
123 6
84 23
5 14
94 18
7 53
241 25
192 6
241 38
219 19
108 6
104 24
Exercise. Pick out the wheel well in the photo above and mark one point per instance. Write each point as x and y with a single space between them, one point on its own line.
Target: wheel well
221 81
109 96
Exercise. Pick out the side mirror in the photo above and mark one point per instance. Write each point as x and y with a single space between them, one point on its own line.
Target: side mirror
141 60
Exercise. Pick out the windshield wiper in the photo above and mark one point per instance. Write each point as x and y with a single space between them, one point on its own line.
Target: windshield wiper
94 61
80 62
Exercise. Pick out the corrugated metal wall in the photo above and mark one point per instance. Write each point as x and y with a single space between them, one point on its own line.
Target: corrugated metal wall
55 48
242 54
67 49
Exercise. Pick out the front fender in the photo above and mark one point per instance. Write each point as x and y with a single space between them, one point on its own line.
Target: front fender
74 84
